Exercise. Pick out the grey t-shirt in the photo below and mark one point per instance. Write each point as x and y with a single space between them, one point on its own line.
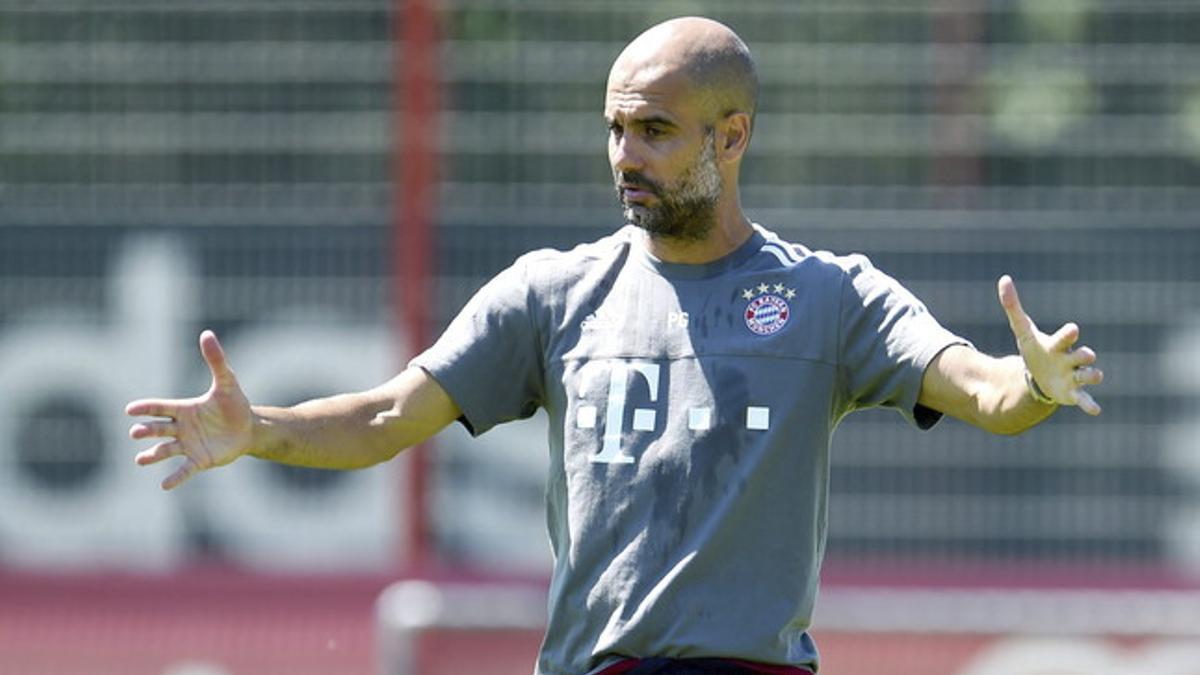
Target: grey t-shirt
691 409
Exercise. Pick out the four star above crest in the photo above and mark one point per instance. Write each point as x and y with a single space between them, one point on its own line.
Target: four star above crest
761 289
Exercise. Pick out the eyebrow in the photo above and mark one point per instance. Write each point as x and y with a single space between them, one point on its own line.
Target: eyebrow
653 119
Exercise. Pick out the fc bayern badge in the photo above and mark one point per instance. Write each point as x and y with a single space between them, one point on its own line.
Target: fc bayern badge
767 314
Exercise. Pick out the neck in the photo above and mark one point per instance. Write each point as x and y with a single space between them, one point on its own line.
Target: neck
731 230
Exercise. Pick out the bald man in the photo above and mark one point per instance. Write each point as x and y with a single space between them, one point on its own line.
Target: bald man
693 366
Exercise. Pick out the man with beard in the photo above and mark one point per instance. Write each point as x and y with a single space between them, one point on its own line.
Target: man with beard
693 366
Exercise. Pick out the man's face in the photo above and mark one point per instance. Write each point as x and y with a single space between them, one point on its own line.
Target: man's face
663 156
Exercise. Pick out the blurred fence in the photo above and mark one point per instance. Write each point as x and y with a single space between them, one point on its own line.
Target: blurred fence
166 166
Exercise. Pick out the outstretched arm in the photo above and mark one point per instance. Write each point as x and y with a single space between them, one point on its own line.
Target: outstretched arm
346 431
1002 395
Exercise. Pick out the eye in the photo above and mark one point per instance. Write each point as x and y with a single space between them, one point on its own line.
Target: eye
654 131
615 129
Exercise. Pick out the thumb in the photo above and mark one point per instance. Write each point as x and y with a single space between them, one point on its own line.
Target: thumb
1022 326
214 356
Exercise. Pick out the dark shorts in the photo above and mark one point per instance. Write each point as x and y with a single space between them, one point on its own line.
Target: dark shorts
658 666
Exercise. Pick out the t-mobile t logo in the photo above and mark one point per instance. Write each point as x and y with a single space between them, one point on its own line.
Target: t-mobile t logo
614 418
623 376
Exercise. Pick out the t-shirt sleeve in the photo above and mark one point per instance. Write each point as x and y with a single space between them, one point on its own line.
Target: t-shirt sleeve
489 359
888 338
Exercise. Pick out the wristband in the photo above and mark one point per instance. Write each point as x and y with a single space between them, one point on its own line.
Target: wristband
1035 391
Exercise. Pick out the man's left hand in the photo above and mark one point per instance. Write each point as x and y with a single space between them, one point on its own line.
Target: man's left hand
1058 370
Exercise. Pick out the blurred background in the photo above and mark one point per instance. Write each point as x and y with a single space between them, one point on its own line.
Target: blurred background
325 183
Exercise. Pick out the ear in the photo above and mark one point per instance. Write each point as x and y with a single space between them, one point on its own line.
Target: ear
734 136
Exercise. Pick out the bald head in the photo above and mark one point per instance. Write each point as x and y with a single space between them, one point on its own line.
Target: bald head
713 58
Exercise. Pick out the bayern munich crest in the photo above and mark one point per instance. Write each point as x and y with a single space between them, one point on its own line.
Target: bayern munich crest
768 311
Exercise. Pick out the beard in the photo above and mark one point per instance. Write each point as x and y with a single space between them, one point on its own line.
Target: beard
686 209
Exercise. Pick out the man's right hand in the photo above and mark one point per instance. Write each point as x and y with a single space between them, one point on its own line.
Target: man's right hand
207 431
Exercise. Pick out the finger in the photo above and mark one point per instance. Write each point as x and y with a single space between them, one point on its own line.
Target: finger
214 356
1084 356
1086 403
184 472
1065 337
1022 326
158 453
152 407
153 430
1089 376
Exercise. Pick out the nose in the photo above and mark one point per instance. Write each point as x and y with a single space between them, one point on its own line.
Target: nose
622 154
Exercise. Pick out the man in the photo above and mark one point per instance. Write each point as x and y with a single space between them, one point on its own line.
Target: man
693 366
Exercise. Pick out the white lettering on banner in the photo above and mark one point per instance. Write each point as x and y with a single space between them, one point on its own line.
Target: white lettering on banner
1180 370
1080 656
266 523
117 516
113 515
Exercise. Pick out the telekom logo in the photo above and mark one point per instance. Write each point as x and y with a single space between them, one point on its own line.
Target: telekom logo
623 376
614 421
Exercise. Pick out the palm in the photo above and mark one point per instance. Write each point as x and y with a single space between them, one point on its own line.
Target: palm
207 431
1060 371
217 427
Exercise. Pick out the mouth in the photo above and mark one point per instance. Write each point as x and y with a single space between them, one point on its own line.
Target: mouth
632 193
